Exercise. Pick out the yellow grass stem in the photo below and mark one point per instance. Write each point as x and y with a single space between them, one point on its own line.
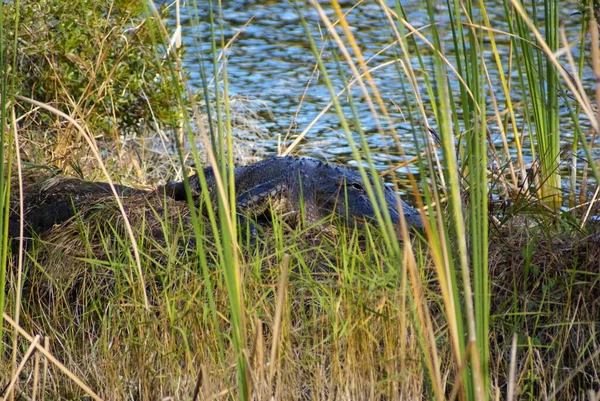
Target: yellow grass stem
281 293
509 104
19 286
15 375
52 359
36 377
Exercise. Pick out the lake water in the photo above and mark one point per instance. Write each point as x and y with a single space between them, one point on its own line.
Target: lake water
270 62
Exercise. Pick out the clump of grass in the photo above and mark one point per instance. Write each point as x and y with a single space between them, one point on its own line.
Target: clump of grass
340 318
328 286
546 295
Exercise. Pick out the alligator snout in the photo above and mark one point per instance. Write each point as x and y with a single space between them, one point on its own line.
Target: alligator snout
393 204
411 215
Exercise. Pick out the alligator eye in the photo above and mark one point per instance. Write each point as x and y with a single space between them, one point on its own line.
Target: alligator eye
357 186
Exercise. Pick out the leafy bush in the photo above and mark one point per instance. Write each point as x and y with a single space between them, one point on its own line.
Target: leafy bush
99 59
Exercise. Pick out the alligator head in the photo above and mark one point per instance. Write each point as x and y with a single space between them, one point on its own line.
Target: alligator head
342 190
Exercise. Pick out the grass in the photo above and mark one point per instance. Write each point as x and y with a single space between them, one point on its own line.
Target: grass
139 298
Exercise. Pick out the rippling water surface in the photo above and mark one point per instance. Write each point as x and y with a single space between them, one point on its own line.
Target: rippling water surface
270 61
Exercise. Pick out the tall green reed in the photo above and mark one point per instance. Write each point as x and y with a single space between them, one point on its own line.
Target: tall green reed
227 215
468 46
466 343
540 86
220 156
6 152
7 124
217 143
4 177
464 150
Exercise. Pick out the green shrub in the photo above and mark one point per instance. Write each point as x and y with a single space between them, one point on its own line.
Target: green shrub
97 59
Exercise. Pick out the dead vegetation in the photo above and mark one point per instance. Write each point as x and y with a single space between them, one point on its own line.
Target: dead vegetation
344 331
546 290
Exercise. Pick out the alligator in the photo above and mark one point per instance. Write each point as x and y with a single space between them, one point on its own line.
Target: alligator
49 200
289 184
300 183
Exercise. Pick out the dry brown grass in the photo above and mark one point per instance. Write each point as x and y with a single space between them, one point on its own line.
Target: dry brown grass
340 318
546 289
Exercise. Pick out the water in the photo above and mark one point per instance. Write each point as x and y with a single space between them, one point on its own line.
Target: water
270 60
